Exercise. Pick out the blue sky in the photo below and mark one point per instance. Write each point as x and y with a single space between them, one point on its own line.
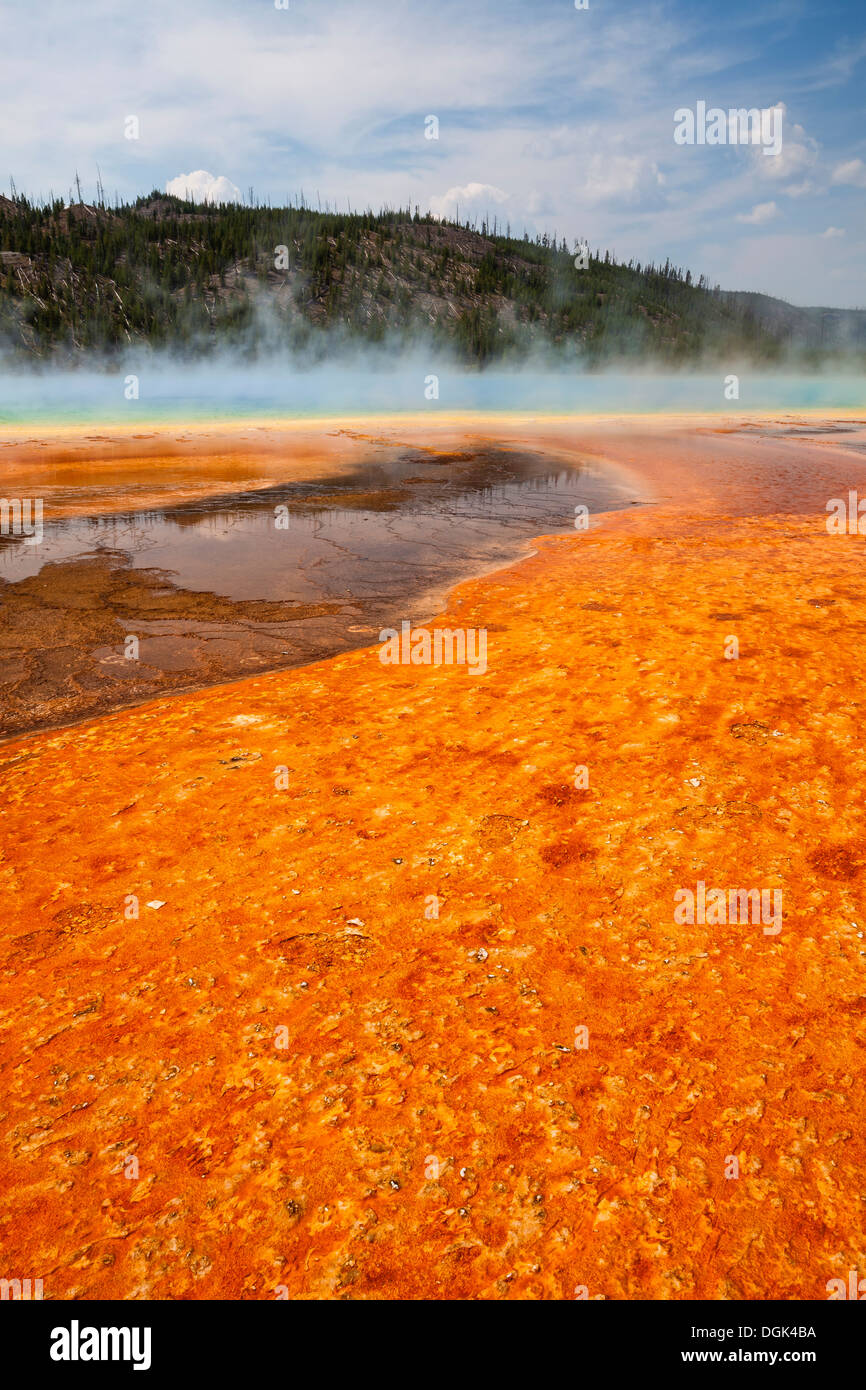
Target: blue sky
550 118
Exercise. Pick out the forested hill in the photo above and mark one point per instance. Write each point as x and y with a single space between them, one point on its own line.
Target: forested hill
81 279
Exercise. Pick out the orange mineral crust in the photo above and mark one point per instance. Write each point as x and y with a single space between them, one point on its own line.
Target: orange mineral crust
340 1051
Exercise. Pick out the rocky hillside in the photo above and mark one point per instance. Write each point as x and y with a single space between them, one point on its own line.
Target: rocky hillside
81 279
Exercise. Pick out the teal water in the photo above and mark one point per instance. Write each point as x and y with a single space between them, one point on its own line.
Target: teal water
210 392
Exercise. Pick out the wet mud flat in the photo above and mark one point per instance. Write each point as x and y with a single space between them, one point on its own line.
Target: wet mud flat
117 606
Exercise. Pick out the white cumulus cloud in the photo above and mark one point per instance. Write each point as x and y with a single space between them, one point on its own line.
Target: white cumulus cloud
761 212
202 187
854 172
473 199
797 161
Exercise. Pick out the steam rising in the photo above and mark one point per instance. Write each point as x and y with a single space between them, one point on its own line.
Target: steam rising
334 375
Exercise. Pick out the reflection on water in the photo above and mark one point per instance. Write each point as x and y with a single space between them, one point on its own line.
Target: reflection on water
383 530
261 580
